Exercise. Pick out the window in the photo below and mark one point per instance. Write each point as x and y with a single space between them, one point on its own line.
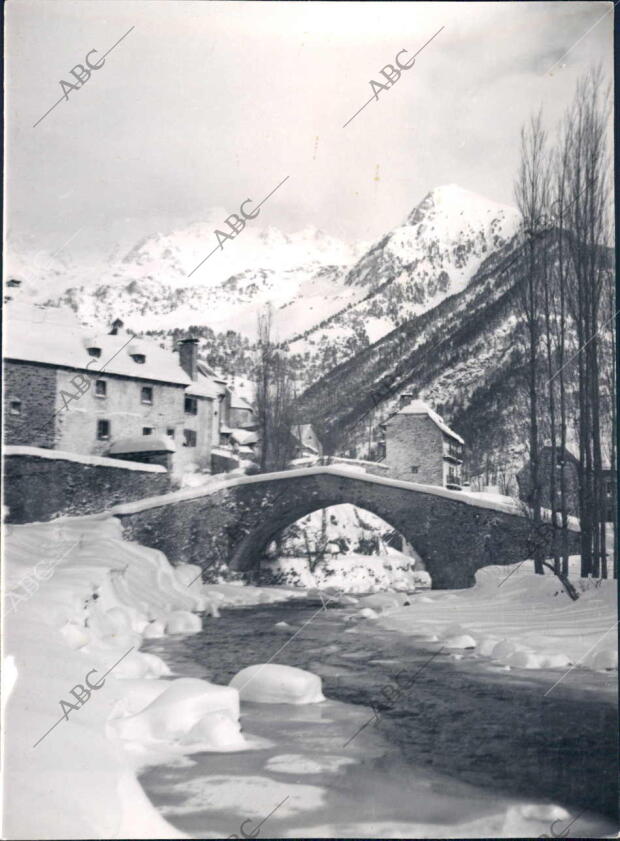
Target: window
170 433
189 438
103 430
191 406
15 407
140 358
146 394
415 468
147 430
101 388
94 351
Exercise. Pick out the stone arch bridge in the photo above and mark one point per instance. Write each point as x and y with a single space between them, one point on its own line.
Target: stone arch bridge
235 520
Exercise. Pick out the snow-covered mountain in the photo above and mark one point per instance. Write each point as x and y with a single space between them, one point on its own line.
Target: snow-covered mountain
154 287
432 255
330 299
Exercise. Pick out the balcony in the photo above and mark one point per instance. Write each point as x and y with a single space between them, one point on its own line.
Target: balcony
453 452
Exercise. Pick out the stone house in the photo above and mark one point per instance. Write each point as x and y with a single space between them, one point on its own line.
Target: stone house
234 438
103 394
421 447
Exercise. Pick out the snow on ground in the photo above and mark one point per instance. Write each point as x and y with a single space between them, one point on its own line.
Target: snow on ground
519 619
350 573
83 707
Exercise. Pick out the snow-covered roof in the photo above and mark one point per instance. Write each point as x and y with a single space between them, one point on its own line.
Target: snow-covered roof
304 433
143 444
225 430
246 450
419 407
58 339
244 436
205 369
239 402
203 387
224 452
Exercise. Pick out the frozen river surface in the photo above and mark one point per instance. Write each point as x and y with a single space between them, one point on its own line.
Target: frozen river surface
468 750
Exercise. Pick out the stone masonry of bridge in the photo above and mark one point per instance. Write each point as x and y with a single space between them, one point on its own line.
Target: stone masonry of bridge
235 520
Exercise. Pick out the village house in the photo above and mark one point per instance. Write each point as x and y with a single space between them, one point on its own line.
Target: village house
307 444
421 447
108 394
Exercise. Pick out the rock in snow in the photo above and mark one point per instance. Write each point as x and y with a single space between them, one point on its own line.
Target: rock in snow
271 683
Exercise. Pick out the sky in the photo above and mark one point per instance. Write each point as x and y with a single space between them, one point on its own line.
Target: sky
205 104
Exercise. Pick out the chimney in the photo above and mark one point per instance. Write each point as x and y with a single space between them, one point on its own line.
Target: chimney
406 398
188 356
116 326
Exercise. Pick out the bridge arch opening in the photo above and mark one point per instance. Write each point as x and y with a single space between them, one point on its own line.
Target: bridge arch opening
344 546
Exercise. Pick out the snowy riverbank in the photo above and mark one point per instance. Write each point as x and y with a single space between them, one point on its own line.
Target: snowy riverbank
517 619
78 602
85 709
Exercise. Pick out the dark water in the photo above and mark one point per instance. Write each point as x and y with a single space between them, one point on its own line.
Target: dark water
458 745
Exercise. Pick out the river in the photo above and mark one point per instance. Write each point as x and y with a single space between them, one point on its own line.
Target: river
468 749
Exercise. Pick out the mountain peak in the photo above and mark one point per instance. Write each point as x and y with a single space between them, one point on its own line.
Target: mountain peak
453 200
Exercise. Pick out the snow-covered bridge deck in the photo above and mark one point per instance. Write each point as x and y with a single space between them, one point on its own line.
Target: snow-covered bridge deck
234 519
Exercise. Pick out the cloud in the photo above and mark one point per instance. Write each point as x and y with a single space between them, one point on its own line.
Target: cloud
205 104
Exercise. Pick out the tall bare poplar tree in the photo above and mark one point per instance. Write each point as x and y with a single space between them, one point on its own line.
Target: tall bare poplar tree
532 196
586 218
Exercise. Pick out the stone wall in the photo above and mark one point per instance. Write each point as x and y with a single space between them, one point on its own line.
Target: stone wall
43 484
122 406
60 409
414 440
35 387
234 524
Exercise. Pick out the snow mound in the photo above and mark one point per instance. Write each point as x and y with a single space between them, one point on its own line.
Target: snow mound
460 641
520 620
367 613
87 614
183 622
605 660
271 683
190 711
383 601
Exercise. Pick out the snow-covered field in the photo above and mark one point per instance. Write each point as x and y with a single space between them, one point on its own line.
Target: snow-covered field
519 619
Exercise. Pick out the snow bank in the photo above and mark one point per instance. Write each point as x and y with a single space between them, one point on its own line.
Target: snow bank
519 619
78 602
191 712
349 573
271 683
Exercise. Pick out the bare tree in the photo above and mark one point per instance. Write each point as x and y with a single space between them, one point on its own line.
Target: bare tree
532 195
586 219
274 398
